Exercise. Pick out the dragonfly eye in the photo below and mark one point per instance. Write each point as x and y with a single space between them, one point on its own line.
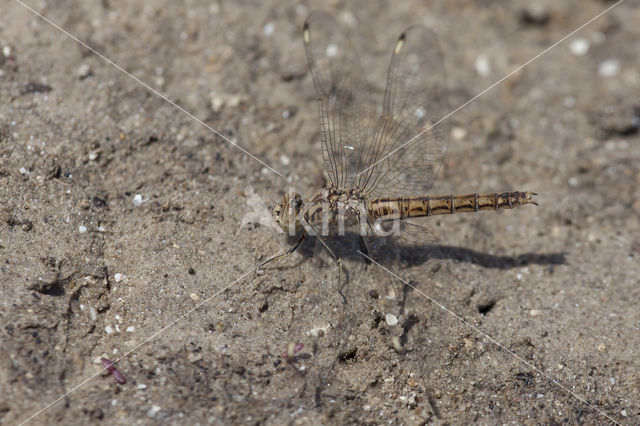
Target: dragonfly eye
277 209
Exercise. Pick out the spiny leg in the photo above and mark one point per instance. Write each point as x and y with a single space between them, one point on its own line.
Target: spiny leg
286 253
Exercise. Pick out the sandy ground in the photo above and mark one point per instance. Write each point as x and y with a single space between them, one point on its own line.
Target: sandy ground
120 214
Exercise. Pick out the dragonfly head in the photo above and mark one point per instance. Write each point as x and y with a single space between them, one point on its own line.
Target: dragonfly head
287 211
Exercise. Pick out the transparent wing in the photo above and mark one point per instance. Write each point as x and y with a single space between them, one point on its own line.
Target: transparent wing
346 111
385 239
405 152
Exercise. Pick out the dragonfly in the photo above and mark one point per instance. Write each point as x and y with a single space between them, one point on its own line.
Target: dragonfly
381 161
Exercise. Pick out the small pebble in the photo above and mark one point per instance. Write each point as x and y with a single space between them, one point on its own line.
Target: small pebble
83 71
482 65
141 386
137 200
458 133
285 160
6 51
535 312
120 277
535 14
579 46
82 229
108 329
131 329
153 411
613 381
397 345
269 29
391 319
194 297
624 413
609 68
23 171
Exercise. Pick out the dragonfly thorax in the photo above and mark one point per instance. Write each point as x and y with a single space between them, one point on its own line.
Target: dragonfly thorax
324 209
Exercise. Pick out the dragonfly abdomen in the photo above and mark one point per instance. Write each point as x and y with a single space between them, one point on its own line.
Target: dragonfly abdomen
405 207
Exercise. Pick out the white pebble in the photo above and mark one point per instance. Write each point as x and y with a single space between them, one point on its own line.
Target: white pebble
573 181
624 413
458 133
137 200
23 171
613 381
83 71
391 319
609 68
269 29
153 411
82 229
120 277
131 329
93 314
579 46
285 160
482 65
108 329
142 386
6 50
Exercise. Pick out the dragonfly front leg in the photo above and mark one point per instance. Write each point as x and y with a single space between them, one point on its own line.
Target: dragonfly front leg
338 261
286 253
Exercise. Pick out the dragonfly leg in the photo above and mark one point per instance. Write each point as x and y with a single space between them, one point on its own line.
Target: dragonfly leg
338 261
284 254
364 247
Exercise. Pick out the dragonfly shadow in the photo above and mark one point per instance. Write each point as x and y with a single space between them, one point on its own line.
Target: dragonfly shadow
463 254
347 248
